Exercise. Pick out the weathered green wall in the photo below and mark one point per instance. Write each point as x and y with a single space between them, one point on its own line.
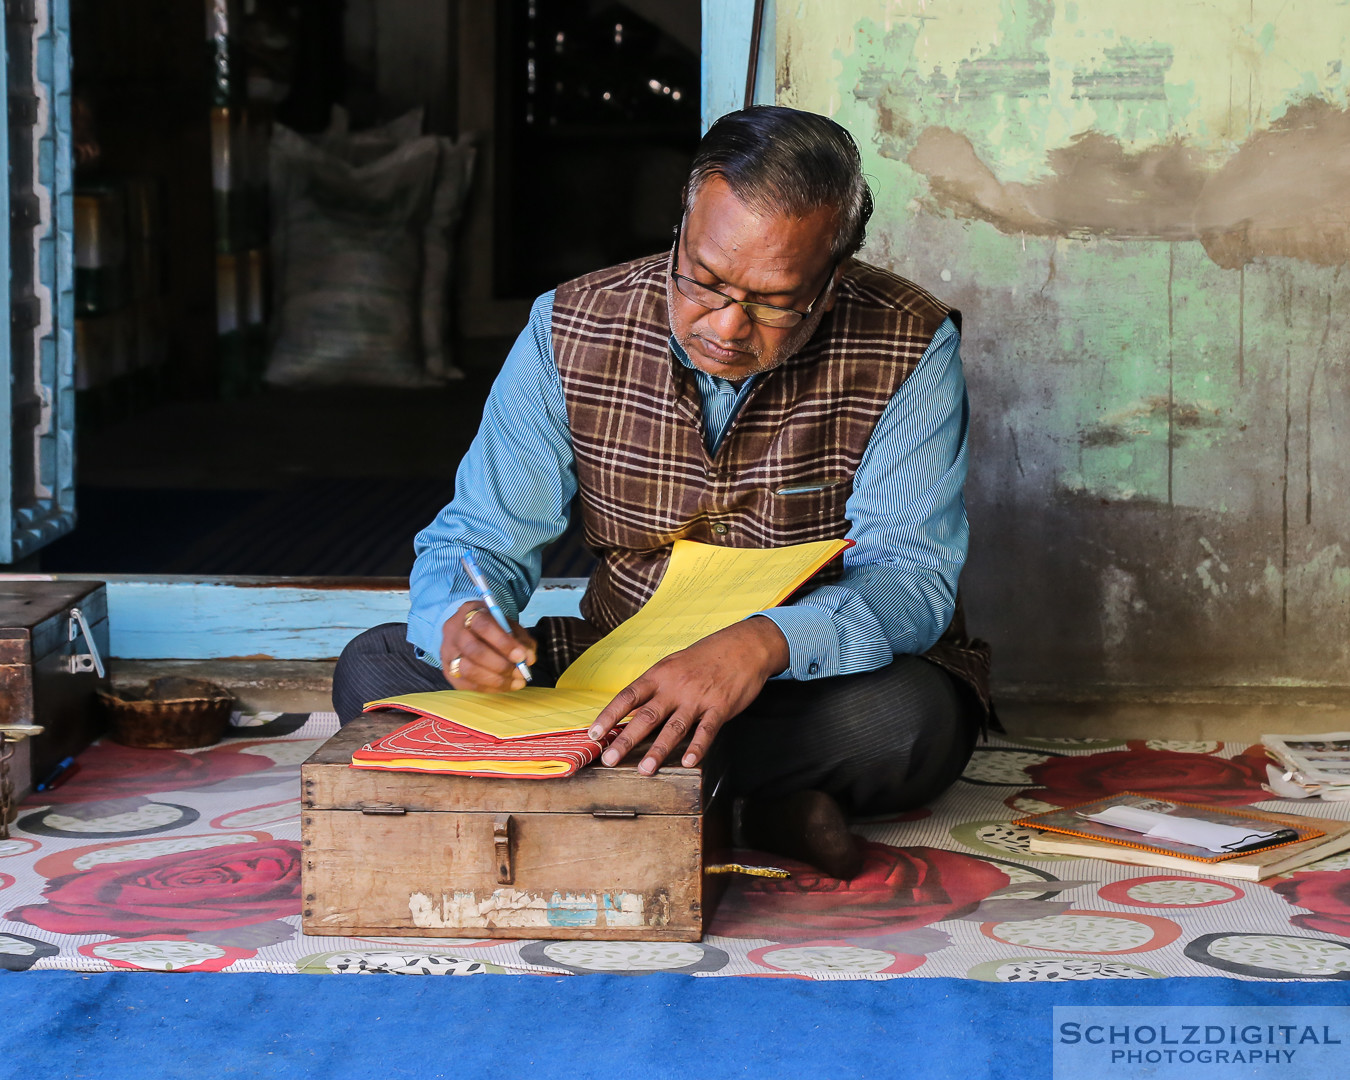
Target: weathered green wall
1143 210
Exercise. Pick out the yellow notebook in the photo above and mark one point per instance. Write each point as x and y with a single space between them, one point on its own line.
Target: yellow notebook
705 589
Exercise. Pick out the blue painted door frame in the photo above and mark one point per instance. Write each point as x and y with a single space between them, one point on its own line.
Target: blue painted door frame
727 30
37 361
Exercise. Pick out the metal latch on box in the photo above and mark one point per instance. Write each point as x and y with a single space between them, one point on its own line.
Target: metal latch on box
501 846
90 661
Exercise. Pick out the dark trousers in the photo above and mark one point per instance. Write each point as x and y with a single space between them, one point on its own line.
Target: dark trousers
879 742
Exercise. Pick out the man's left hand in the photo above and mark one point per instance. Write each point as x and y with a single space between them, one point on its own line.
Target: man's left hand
696 689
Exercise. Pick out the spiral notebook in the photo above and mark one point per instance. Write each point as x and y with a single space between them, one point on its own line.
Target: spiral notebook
540 732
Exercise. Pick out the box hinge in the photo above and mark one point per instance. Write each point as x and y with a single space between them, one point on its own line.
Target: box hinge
383 808
614 813
90 661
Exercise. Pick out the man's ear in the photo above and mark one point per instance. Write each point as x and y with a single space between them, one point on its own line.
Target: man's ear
833 293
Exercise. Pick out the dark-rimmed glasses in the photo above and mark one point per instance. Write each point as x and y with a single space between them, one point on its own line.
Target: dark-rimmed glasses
765 314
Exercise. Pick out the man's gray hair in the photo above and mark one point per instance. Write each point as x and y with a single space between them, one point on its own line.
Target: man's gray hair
785 161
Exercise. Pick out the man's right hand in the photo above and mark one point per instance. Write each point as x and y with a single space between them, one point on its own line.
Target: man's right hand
477 654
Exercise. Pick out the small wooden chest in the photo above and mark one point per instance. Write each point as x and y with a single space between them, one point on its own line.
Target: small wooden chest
48 671
606 853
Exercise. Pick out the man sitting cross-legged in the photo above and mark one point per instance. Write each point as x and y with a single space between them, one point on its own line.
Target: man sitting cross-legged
754 386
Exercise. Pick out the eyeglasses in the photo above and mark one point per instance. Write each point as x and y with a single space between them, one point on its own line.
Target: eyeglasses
764 314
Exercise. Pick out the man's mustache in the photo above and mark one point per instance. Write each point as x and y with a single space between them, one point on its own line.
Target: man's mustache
730 348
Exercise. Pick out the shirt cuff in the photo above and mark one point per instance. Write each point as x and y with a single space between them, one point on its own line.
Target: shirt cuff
426 637
452 606
813 641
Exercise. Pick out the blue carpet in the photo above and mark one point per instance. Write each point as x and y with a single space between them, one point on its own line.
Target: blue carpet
383 1027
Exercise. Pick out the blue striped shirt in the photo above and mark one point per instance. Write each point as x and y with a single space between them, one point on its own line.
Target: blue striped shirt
907 512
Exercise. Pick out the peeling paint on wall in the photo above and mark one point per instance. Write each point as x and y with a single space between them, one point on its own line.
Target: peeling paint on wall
1143 210
1286 191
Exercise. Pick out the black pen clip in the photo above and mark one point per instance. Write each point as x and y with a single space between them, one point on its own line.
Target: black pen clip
1280 836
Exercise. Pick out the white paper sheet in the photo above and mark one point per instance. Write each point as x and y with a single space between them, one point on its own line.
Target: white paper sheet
1179 830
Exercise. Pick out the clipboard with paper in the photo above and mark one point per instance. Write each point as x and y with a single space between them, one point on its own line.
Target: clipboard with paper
1152 823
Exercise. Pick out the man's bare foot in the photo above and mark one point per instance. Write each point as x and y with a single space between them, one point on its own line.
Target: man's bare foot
809 826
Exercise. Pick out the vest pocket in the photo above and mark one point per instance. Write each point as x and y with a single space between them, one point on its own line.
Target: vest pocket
810 488
812 510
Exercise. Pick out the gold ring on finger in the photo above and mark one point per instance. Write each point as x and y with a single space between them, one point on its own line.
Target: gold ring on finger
469 617
454 667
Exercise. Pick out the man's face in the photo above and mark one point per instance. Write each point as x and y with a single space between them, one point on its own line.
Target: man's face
768 259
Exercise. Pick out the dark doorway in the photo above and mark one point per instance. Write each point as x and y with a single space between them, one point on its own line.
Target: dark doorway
188 459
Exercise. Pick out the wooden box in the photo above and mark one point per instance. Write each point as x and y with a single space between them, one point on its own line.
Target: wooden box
47 672
605 854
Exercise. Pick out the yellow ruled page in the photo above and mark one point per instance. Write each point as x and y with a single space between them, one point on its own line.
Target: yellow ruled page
535 710
705 589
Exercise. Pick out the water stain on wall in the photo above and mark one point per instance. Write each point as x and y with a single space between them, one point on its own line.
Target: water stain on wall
1285 191
1178 418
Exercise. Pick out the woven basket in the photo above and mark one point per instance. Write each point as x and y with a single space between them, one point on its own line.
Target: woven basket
170 713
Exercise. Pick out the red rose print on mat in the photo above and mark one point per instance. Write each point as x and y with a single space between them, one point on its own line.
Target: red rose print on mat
112 771
1195 778
1326 893
180 893
78 859
898 889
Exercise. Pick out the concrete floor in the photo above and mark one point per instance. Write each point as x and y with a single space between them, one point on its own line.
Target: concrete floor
280 436
258 685
266 484
1232 721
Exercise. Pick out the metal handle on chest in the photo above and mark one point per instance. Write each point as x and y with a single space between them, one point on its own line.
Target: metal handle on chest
501 843
90 661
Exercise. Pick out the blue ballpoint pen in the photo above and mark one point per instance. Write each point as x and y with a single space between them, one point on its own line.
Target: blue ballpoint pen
54 777
480 583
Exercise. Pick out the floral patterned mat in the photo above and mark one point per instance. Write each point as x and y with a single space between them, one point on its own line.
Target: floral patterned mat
189 861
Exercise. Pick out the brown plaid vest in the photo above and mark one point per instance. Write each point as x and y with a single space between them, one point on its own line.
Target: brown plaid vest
784 470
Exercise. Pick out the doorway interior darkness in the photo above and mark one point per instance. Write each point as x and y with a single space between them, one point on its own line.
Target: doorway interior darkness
594 119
